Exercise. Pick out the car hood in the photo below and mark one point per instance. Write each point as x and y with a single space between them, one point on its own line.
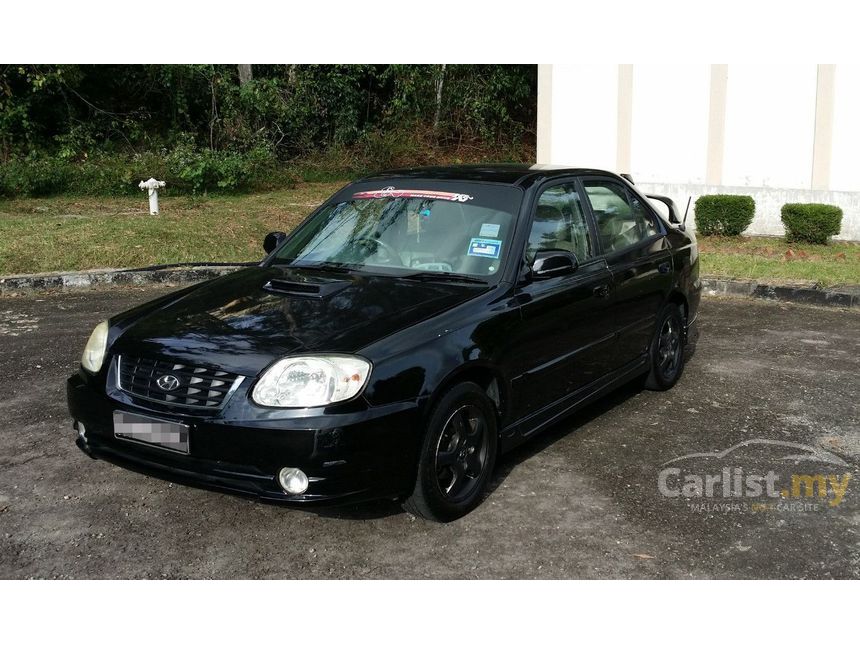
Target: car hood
243 321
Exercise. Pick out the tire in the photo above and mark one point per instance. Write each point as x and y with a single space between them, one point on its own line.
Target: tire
667 349
457 456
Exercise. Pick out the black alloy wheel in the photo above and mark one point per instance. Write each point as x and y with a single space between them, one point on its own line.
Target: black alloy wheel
461 453
458 455
667 349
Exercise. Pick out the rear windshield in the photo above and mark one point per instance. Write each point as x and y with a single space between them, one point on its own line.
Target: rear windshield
410 226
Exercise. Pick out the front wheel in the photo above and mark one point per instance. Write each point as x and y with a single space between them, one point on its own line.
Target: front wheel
667 349
457 456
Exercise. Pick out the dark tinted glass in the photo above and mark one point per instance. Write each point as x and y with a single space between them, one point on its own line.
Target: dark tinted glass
408 226
621 219
559 223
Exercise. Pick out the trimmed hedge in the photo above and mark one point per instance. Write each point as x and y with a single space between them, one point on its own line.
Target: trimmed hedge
814 223
724 214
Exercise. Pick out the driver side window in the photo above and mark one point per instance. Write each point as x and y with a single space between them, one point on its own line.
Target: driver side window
559 223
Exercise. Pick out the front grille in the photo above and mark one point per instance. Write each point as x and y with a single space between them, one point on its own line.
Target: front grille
193 387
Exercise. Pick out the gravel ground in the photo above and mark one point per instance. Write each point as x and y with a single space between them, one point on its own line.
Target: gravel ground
579 501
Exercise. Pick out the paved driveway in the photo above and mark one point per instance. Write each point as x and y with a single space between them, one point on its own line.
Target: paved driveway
780 383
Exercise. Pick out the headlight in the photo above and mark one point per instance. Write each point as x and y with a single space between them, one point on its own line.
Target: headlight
308 381
94 352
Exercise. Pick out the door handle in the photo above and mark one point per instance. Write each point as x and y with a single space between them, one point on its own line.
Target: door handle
601 291
664 267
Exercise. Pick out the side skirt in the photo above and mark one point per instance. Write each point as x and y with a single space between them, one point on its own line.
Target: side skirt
522 430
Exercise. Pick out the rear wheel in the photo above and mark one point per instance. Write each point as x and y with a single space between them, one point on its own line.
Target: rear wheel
457 457
667 349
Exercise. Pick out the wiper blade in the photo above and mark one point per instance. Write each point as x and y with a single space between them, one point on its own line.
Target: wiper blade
441 276
329 267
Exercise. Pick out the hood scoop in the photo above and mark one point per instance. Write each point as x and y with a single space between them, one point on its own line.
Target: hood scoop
317 289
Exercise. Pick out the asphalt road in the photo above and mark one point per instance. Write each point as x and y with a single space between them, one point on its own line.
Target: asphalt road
580 501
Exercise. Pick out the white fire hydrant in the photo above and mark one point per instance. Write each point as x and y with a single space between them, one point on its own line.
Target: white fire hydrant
152 185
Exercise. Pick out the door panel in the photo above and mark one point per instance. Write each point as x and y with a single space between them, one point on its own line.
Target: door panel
564 338
641 278
639 259
562 343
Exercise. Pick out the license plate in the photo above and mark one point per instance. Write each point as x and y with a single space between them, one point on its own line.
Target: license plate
154 432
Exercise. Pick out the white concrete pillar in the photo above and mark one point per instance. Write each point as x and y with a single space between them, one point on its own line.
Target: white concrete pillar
544 115
717 124
624 148
822 143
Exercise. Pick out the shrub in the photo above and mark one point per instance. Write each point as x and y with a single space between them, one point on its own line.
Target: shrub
185 168
37 176
814 223
724 214
189 168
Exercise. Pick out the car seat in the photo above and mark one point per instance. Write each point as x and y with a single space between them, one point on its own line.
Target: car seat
610 226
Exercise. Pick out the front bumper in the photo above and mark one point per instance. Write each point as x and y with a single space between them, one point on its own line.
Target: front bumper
355 456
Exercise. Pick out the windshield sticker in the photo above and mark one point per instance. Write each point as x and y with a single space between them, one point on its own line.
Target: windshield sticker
413 224
482 248
490 230
390 192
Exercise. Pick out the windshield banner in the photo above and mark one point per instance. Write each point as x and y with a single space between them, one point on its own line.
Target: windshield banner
390 192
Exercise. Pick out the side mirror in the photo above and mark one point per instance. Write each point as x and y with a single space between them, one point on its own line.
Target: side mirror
273 240
552 263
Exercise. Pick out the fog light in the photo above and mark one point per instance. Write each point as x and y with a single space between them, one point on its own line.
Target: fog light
293 481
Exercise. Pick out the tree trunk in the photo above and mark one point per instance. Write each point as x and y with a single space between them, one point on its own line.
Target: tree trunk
440 81
213 112
245 74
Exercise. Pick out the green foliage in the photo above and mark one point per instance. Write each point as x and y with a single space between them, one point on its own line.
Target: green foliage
487 102
186 169
36 177
724 214
814 223
198 171
196 127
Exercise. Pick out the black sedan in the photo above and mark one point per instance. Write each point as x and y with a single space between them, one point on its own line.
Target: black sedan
415 326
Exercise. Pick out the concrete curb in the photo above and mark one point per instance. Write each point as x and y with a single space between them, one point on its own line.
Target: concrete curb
100 277
805 294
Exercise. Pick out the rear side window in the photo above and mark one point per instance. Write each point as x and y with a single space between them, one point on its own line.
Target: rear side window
559 223
622 220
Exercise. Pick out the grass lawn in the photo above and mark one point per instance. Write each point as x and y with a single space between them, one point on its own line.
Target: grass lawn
770 259
73 233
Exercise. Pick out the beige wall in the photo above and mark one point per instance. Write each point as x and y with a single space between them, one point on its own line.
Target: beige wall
772 132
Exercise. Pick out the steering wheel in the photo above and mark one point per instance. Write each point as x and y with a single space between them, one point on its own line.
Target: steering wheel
391 254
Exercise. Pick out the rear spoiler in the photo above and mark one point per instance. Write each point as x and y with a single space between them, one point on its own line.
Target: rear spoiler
670 204
673 209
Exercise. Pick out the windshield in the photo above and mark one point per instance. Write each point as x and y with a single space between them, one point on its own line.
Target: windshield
398 231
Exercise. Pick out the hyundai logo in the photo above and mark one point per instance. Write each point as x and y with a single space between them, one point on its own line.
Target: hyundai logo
168 382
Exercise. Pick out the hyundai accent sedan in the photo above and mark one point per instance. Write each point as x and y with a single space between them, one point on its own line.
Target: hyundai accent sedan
414 327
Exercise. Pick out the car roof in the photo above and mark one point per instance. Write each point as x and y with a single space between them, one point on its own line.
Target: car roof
511 174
